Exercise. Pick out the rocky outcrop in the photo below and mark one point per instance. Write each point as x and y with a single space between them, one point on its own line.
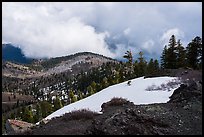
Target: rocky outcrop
182 115
128 121
187 92
17 126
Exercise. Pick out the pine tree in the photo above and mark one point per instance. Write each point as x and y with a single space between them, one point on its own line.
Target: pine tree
46 108
57 103
22 111
3 124
156 65
164 58
80 95
121 75
12 115
72 97
105 82
150 66
136 69
93 85
38 116
128 56
129 68
194 53
90 90
116 77
28 115
17 103
181 55
171 53
142 64
18 113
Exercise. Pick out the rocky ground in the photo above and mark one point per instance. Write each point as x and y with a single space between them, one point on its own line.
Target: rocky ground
182 115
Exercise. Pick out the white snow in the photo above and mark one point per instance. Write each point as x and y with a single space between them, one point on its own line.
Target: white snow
135 93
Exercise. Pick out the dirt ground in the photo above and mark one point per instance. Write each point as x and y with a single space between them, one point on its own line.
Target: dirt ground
8 104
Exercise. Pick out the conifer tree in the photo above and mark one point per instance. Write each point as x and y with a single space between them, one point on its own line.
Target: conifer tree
93 85
142 64
74 99
38 116
28 115
150 66
136 68
164 58
116 77
128 56
3 124
57 103
46 108
181 55
171 53
80 95
12 115
194 53
105 82
72 96
90 90
156 65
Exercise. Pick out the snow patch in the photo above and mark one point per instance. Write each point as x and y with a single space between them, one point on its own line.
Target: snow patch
135 93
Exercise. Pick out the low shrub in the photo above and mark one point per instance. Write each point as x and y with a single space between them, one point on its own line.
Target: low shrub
170 85
117 101
79 114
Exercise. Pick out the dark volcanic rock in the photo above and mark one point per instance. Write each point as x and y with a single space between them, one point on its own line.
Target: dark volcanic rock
185 92
127 121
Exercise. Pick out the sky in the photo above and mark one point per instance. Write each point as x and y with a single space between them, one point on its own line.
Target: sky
45 30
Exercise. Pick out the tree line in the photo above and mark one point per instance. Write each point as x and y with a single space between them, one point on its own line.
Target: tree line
175 55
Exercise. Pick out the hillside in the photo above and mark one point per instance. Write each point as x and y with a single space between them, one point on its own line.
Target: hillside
73 63
43 82
80 57
56 70
181 115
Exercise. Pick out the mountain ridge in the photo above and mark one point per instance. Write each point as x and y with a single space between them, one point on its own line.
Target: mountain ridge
14 54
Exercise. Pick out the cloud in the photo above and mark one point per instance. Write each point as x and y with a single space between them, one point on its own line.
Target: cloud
167 34
127 31
40 35
149 46
44 29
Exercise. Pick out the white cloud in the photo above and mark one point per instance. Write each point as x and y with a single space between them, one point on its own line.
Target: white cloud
149 46
65 28
126 31
122 48
167 34
41 35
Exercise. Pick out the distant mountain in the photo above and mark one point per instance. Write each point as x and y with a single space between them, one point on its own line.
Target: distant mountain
55 69
14 54
77 58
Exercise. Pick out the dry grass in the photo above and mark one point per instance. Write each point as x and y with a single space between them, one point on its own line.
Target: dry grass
79 114
170 85
117 101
